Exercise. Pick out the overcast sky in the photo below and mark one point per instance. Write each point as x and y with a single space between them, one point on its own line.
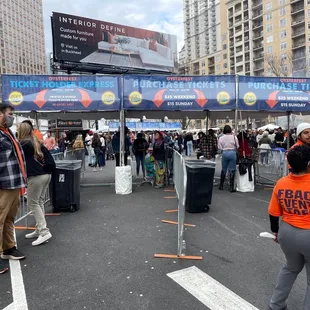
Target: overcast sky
160 15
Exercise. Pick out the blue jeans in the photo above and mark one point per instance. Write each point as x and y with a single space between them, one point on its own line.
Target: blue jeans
140 160
229 159
190 149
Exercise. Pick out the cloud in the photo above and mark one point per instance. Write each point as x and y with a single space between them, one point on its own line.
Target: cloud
161 15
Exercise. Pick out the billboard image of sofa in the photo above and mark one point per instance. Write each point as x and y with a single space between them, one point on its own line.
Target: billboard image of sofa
84 40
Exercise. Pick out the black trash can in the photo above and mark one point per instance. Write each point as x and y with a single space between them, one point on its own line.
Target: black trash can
200 176
66 181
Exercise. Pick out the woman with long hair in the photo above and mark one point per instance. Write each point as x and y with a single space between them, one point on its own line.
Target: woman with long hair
229 146
96 145
159 156
290 201
39 177
78 143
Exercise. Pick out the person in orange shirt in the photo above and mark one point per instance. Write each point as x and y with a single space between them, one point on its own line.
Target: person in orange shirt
50 142
291 201
303 137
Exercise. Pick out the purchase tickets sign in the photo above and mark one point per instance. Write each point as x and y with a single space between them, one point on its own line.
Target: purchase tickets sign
61 92
179 93
274 94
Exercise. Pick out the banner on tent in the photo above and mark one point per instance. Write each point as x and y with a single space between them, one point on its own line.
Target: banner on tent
138 126
274 94
178 93
61 92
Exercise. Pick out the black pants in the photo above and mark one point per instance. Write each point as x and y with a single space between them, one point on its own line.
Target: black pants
117 157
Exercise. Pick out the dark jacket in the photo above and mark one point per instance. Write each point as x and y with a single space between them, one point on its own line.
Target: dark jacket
116 143
11 176
34 167
159 151
140 146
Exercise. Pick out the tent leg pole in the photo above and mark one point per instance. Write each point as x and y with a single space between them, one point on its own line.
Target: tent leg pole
207 124
288 130
122 137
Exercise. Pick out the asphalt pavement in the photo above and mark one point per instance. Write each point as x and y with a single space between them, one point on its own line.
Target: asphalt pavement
102 257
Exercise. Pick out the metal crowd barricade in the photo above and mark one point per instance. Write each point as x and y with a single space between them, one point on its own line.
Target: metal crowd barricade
58 156
180 182
270 166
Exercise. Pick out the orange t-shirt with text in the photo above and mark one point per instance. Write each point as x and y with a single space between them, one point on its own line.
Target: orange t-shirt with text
291 200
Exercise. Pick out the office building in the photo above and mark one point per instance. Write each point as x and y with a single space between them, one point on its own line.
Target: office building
247 37
22 47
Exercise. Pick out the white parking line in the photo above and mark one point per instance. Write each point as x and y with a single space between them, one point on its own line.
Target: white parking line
211 293
18 288
10 307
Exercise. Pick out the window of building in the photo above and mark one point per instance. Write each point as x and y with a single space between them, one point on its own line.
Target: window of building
218 67
269 27
225 65
269 16
218 58
269 6
282 22
282 11
283 34
225 56
308 13
269 39
224 46
269 49
308 1
283 46
203 72
203 63
284 56
282 2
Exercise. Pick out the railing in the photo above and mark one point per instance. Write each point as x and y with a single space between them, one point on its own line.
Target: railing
271 165
58 156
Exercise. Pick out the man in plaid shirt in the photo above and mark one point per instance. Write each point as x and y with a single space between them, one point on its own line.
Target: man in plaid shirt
208 145
12 179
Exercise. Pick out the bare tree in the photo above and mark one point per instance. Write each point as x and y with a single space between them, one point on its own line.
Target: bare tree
185 122
279 65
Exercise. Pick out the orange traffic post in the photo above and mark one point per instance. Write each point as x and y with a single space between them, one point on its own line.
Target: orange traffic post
171 256
176 223
171 211
24 228
170 197
169 190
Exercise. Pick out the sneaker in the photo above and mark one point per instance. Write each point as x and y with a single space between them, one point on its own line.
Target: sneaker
3 269
12 254
32 235
94 170
100 169
42 239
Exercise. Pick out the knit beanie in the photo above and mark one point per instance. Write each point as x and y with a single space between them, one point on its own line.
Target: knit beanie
301 127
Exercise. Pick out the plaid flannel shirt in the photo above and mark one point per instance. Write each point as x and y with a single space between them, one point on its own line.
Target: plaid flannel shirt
11 176
208 146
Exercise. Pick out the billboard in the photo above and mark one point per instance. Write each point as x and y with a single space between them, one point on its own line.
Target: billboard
274 94
89 41
179 93
61 92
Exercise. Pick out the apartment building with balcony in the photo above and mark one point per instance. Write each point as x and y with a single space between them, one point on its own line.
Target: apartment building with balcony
248 37
204 24
22 48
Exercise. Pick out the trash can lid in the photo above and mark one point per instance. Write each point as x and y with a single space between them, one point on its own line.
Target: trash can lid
199 162
68 164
